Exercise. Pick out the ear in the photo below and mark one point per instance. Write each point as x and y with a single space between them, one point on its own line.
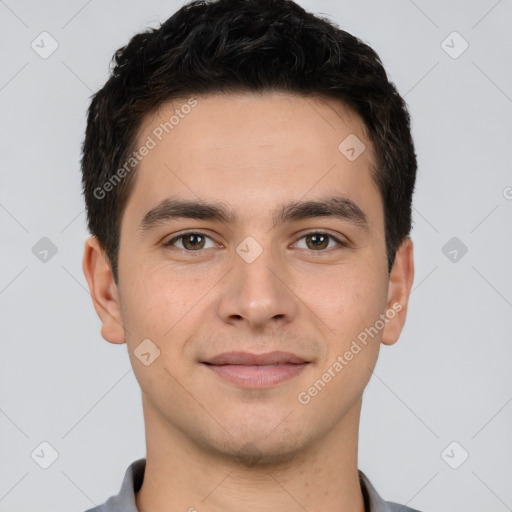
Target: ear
399 289
103 289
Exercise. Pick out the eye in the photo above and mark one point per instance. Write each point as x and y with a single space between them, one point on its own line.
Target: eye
318 241
190 241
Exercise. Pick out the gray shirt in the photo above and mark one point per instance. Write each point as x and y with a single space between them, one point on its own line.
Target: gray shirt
132 482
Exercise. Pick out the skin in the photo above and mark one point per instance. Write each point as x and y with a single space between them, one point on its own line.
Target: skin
213 445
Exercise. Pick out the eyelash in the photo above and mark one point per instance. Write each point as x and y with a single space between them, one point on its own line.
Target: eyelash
170 242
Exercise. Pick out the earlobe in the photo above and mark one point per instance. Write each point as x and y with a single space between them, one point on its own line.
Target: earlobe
103 291
399 289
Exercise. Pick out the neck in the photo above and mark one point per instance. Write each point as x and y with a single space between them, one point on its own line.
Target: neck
182 476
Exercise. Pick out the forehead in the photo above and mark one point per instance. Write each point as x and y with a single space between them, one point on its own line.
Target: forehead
254 151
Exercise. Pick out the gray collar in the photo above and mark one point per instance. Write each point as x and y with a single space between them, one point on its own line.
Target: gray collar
132 482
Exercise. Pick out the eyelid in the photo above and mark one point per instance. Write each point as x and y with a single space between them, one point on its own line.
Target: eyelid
337 239
300 236
183 234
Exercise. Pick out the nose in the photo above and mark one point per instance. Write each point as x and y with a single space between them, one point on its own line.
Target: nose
258 292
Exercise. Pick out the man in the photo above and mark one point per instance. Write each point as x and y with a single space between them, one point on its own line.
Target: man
248 171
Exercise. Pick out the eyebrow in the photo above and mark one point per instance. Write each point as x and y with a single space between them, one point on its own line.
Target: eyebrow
330 206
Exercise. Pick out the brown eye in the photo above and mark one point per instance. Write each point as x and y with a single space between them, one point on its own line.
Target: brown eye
191 241
317 241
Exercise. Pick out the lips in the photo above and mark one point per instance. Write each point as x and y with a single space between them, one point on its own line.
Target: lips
256 370
248 359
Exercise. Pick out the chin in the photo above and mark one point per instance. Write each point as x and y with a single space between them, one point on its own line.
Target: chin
251 456
271 451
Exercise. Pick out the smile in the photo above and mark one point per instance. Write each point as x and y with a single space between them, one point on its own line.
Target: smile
256 370
259 376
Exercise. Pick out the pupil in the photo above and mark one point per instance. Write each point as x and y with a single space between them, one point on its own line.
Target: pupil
194 240
318 240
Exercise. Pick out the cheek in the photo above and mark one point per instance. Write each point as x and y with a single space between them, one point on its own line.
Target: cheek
164 311
161 305
346 298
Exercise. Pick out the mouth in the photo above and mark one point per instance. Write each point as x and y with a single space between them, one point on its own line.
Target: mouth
256 370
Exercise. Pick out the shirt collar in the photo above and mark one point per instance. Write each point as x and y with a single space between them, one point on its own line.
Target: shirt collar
132 482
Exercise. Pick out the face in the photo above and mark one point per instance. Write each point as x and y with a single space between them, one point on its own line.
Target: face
256 301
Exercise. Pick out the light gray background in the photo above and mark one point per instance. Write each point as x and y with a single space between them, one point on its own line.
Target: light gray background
448 378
